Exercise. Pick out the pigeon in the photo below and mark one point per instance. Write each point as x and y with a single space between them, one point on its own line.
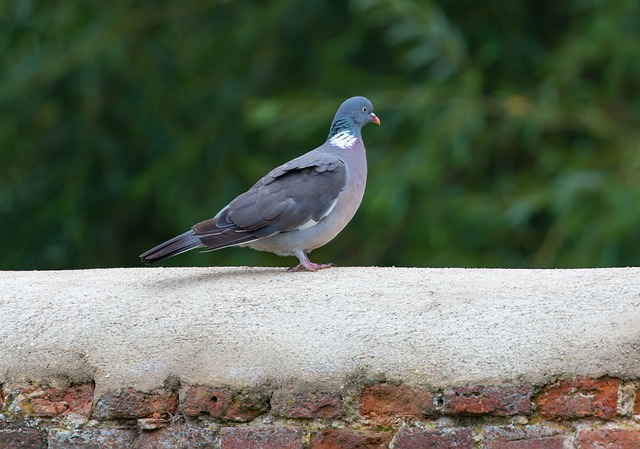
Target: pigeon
296 207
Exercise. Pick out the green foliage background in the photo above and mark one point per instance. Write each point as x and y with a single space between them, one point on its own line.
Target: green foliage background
510 130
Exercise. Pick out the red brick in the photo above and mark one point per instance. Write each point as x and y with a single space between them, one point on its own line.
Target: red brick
202 400
134 404
385 402
608 439
93 439
52 402
488 400
179 437
350 439
260 438
531 437
433 439
22 439
225 404
579 398
306 404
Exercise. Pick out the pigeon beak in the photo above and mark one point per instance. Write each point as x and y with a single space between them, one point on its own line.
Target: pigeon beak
374 118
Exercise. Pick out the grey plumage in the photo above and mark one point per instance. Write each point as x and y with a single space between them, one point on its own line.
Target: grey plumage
296 207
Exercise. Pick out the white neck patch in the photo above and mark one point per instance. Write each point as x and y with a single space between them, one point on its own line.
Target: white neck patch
343 139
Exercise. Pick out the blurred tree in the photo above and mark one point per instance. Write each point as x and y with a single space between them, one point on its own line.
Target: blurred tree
509 130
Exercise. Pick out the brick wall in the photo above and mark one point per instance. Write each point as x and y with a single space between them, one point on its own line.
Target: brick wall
575 413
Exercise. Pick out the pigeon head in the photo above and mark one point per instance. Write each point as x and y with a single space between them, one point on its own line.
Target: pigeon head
352 115
357 109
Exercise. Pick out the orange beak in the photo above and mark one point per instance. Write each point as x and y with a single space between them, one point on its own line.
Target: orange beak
374 118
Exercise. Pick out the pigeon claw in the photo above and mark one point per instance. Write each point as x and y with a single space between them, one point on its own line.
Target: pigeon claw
310 266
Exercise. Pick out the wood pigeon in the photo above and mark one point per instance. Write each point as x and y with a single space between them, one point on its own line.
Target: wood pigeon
297 207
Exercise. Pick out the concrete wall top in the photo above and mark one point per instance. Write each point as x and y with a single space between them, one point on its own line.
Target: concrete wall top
239 326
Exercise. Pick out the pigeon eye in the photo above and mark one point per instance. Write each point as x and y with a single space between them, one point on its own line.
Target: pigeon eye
364 109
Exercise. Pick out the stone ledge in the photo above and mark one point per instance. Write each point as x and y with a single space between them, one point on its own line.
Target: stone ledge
136 328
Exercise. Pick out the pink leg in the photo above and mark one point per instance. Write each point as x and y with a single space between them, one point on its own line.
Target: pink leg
306 265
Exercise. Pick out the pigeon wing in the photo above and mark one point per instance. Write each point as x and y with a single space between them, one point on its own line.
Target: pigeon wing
296 195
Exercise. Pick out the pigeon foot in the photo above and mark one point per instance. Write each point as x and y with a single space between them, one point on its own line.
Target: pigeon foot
310 266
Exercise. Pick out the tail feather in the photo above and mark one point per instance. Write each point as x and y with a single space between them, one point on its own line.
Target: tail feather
191 239
177 245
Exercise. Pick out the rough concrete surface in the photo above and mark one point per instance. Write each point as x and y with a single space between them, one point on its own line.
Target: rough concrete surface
241 326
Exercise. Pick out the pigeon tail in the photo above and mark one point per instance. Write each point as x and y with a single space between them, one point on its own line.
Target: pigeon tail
177 245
